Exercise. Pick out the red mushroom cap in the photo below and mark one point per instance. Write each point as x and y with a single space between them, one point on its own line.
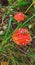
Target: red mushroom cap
19 16
21 38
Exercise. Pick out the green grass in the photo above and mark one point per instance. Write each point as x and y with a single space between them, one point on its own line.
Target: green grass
13 52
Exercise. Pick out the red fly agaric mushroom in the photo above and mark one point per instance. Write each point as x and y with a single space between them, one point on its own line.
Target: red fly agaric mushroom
21 37
19 16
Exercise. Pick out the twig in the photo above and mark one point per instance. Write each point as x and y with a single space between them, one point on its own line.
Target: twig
28 8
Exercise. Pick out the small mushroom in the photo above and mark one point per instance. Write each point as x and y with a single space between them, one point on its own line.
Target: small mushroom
19 16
